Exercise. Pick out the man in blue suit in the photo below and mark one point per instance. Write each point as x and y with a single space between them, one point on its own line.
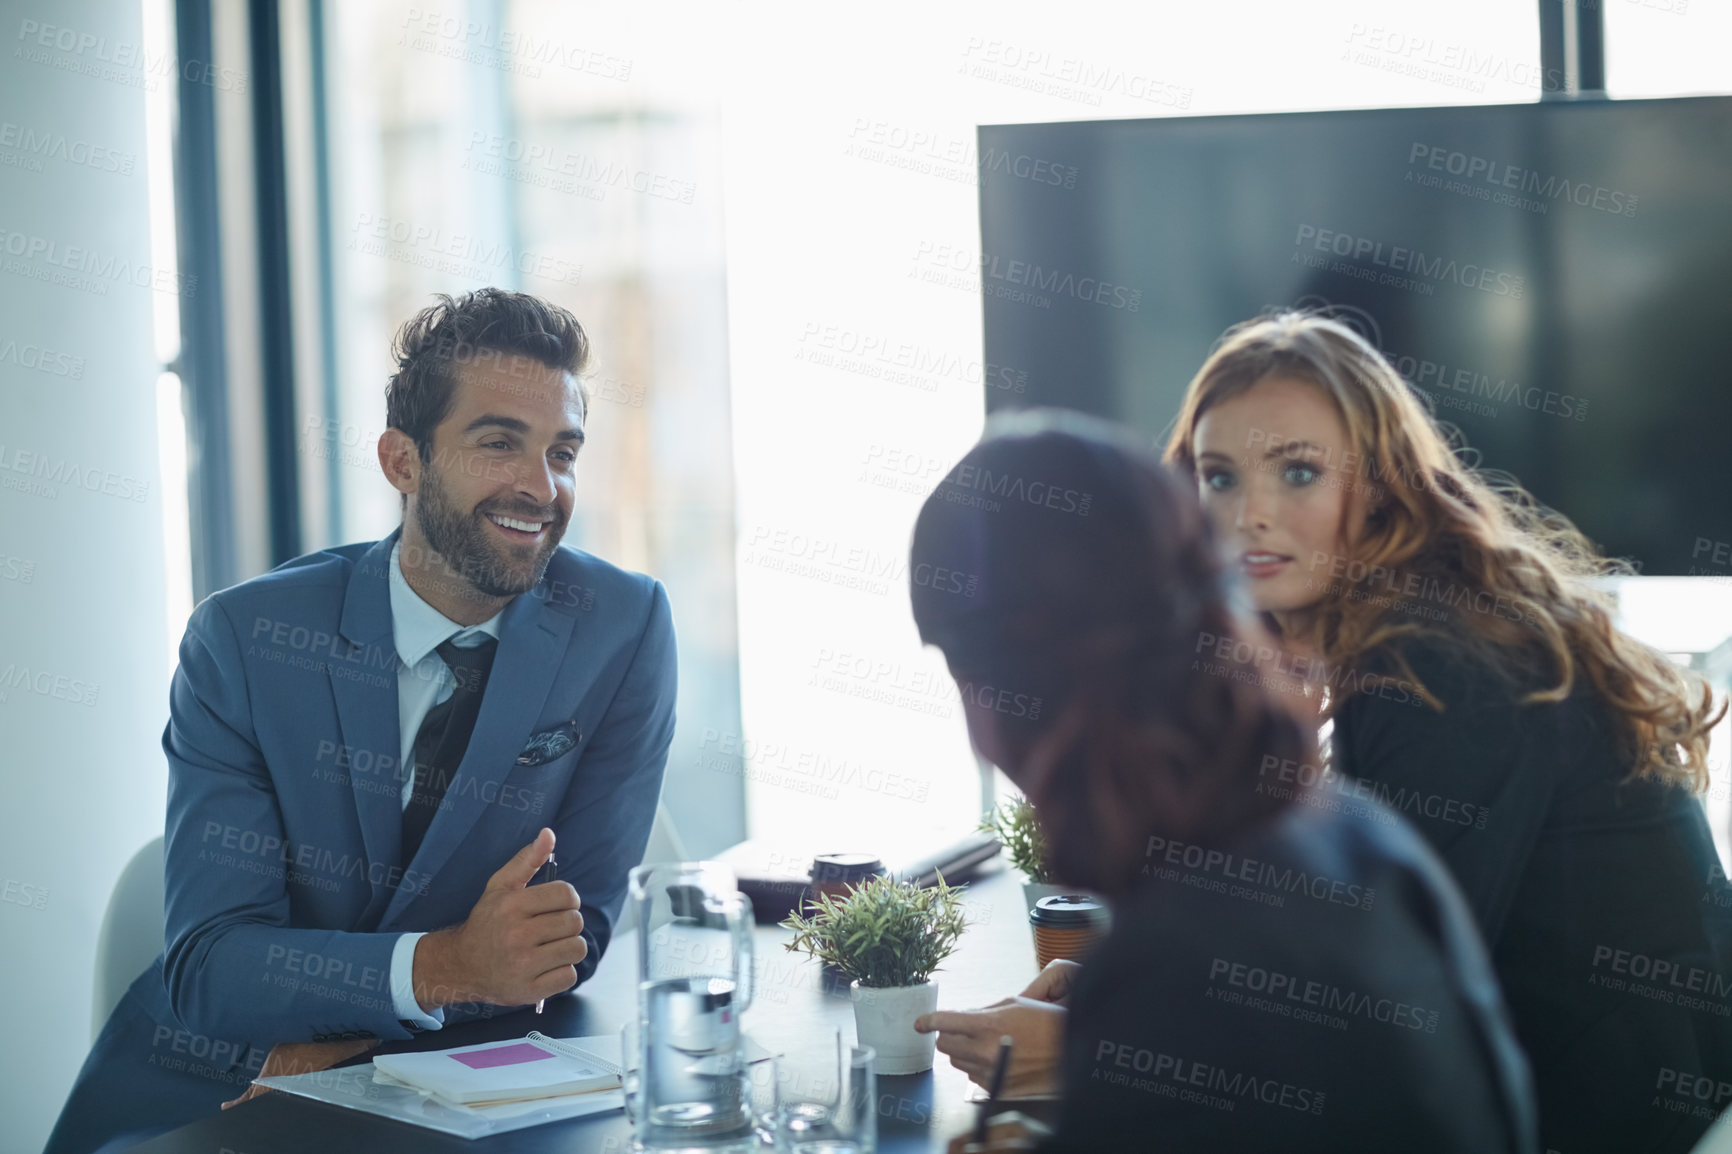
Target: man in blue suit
374 749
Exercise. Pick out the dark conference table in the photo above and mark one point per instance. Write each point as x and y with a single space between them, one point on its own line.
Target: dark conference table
916 1112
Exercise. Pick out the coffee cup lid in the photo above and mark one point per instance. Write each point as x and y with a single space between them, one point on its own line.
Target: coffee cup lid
1062 911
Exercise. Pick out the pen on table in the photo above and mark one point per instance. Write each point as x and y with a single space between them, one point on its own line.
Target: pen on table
552 875
999 1069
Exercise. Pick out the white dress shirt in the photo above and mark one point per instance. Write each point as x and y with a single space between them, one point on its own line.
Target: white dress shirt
423 681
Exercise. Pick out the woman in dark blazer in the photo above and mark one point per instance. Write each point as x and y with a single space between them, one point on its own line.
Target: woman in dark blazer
1287 971
1475 684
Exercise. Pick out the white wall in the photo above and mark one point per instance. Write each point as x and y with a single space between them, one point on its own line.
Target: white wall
81 561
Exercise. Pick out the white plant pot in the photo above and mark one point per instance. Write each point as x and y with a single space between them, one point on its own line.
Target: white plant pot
884 1020
1032 892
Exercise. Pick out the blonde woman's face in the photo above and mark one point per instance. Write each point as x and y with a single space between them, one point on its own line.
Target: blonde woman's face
1276 472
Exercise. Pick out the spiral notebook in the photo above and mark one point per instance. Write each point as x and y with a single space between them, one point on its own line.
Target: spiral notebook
515 1070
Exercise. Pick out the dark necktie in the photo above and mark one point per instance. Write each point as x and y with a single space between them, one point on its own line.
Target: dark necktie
443 736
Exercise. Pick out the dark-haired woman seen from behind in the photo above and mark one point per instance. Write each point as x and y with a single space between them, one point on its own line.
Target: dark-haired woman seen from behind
1284 971
1549 758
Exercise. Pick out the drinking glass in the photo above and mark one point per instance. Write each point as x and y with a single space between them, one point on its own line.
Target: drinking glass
827 1098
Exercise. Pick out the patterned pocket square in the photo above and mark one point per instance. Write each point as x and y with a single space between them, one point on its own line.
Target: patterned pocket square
543 747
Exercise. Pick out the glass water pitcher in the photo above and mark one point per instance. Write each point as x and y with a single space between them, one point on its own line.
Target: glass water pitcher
693 1087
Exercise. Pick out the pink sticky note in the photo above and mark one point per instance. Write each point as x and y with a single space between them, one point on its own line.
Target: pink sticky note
503 1056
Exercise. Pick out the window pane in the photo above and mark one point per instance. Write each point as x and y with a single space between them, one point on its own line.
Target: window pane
1667 47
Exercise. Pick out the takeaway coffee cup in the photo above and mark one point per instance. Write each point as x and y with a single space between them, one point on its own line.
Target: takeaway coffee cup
837 874
1066 926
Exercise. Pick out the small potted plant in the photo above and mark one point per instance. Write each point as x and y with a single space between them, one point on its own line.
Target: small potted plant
887 937
1014 824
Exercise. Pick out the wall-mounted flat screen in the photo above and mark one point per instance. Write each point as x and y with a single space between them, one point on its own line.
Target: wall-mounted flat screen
1556 277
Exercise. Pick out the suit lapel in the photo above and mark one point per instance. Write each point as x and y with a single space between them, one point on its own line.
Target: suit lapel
365 689
532 645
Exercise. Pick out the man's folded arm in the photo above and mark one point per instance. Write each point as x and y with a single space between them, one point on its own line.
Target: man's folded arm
232 966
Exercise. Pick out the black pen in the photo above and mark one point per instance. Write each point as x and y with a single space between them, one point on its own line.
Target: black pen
999 1070
552 876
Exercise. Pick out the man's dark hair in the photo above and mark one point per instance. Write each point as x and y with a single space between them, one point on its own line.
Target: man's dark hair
483 327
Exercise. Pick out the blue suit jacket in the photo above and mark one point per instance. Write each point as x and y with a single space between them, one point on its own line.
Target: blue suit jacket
285 889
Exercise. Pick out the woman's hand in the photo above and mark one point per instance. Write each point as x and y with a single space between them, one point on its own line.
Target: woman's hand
970 1039
1053 983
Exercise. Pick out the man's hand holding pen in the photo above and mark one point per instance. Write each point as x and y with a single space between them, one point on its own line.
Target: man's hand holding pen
520 944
